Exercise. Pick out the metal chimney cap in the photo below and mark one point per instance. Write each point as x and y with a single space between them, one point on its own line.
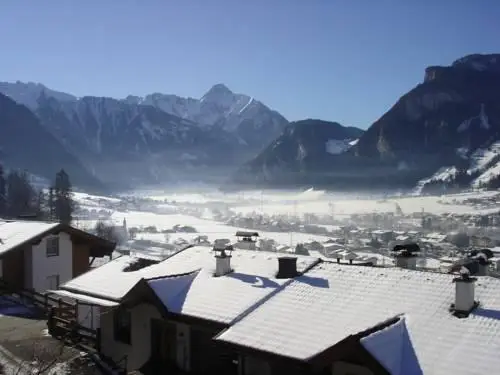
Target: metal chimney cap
287 267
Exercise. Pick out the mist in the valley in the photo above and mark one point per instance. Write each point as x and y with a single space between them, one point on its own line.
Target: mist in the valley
160 221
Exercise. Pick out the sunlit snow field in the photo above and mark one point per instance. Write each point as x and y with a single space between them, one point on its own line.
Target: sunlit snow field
251 203
320 202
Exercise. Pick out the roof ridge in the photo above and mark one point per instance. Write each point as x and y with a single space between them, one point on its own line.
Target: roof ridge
178 252
172 276
180 291
267 297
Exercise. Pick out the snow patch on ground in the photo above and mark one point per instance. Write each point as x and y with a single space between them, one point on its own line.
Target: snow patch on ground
335 146
482 117
488 175
444 174
84 197
462 152
483 156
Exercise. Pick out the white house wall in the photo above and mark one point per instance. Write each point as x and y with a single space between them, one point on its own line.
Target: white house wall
183 342
88 315
28 267
139 352
44 266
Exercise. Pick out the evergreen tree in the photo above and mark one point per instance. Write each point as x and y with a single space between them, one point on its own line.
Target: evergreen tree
21 196
63 198
41 206
106 231
3 193
51 205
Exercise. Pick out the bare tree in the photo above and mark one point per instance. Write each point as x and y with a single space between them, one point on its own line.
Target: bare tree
107 231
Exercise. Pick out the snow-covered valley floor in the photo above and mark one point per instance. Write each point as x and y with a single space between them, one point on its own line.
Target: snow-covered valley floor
279 216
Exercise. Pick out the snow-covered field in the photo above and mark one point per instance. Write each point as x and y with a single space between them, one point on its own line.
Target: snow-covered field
87 199
321 202
212 229
164 210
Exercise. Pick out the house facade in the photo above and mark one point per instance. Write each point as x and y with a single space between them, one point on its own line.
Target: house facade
41 256
167 314
259 313
148 338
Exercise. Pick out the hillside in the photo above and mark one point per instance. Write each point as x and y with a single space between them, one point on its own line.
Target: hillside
26 144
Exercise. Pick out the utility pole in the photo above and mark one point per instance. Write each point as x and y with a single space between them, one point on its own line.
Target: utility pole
294 218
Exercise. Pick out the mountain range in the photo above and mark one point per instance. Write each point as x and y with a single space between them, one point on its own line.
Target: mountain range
27 145
443 133
304 150
157 138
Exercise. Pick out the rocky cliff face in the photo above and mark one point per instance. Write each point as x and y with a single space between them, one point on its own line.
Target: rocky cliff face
455 111
242 115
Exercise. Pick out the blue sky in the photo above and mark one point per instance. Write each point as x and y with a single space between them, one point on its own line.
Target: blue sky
345 60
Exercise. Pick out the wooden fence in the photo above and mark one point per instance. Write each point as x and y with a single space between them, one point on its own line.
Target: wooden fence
42 301
62 316
72 332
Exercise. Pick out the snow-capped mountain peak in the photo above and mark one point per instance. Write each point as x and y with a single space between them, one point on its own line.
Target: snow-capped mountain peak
132 99
217 93
223 108
28 93
219 106
152 130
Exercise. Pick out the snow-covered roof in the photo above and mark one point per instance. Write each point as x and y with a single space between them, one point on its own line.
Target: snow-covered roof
393 349
381 231
220 299
84 299
331 302
402 238
16 233
435 236
107 281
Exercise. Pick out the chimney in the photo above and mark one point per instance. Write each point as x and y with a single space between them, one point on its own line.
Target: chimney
406 261
483 264
483 269
223 260
406 255
464 292
287 267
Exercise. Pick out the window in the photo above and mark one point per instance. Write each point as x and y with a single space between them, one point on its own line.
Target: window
52 246
52 282
123 326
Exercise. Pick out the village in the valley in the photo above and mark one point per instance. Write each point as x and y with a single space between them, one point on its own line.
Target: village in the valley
148 228
239 283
